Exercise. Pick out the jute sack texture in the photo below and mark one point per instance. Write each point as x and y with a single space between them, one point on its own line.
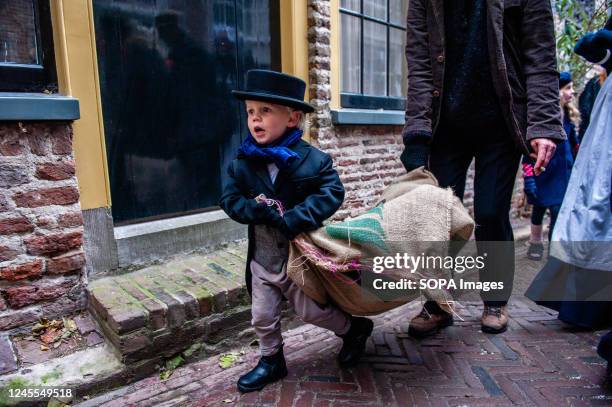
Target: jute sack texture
413 216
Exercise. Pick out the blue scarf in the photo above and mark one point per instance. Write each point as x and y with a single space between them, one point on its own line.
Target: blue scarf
278 152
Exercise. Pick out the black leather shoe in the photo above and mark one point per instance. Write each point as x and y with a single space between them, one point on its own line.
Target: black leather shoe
354 341
268 370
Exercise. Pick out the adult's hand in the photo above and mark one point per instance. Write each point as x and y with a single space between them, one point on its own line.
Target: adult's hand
543 151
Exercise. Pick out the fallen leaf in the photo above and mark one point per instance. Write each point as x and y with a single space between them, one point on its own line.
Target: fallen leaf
50 336
70 325
228 400
43 347
38 327
226 361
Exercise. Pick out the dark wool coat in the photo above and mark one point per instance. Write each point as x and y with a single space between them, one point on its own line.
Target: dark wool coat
521 42
309 189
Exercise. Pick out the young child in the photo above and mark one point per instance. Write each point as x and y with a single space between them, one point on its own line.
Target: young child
274 162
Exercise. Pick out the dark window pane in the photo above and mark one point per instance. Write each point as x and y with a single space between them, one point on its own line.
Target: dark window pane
351 54
374 59
354 5
166 72
18 33
397 12
397 63
376 8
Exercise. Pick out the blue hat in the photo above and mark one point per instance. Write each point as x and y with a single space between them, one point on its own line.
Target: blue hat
564 79
274 87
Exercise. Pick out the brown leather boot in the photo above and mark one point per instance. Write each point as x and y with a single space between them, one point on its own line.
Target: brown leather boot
495 319
429 323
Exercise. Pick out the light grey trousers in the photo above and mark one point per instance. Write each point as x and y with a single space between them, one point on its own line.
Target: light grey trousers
267 292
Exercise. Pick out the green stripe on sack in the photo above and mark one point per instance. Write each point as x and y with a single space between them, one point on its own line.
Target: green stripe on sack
366 231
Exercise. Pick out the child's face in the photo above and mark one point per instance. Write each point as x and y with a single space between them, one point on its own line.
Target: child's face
268 121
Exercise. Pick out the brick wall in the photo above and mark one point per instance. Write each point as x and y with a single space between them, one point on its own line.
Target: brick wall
366 157
41 226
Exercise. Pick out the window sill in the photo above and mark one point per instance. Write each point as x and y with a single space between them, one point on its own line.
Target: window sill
368 116
37 106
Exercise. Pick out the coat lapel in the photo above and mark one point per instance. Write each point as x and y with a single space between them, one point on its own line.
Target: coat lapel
283 175
261 170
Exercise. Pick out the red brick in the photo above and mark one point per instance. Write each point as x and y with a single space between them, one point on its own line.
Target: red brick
21 271
7 253
71 219
48 196
61 140
25 295
53 244
55 171
14 319
15 225
66 263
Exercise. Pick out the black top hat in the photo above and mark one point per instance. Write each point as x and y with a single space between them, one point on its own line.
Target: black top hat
274 87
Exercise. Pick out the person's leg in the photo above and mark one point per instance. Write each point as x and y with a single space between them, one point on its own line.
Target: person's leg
325 316
537 216
536 247
495 173
265 310
266 313
449 160
354 331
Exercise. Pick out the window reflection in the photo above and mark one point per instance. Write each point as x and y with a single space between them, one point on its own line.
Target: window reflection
166 72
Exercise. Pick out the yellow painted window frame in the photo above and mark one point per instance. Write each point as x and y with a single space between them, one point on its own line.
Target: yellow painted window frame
77 70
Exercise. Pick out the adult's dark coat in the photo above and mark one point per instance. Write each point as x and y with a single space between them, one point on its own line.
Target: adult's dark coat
310 191
523 64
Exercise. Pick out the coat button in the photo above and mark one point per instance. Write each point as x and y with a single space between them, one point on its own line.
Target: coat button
436 93
440 58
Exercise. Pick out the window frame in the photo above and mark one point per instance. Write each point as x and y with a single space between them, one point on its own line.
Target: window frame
34 77
361 100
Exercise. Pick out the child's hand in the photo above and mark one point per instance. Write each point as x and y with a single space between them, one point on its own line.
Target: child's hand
266 215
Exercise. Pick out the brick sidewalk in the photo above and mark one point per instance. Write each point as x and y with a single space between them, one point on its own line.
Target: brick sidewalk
538 361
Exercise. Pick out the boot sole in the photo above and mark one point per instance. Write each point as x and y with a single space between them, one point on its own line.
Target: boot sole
424 334
245 389
489 330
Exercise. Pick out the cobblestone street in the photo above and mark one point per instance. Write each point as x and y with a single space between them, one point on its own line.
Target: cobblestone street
538 361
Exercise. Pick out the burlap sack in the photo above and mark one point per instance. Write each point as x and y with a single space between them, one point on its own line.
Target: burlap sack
412 214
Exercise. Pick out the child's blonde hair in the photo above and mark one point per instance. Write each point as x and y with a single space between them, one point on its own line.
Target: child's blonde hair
303 118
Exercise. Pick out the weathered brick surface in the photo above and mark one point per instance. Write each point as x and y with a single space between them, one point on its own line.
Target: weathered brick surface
169 307
53 244
19 224
66 263
55 171
47 196
21 296
21 271
41 226
459 366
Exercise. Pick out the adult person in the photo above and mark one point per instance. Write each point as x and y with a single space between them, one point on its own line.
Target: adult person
482 83
577 278
587 98
546 191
